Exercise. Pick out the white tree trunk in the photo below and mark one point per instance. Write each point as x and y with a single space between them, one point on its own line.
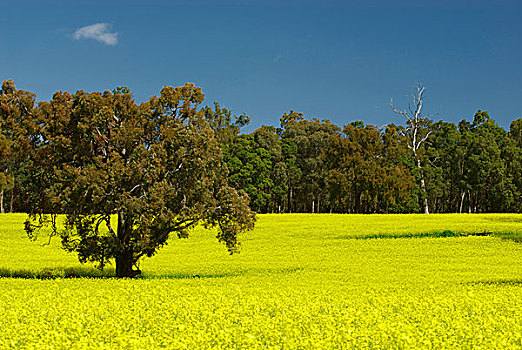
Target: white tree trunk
462 196
423 188
416 122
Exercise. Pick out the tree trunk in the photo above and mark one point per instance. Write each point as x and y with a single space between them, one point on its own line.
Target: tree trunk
124 263
125 256
2 201
423 188
290 200
462 196
11 203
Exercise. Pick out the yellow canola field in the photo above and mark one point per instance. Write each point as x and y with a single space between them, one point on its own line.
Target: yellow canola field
300 282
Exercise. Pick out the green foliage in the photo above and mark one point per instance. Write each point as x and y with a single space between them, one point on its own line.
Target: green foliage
367 174
445 233
157 166
6 181
225 125
250 169
303 146
301 166
473 168
17 122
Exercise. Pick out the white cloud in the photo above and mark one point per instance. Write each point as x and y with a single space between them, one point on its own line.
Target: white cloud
99 31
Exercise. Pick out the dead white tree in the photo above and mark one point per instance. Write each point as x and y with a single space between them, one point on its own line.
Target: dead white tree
417 132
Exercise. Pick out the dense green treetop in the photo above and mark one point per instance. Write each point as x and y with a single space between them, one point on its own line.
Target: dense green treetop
157 166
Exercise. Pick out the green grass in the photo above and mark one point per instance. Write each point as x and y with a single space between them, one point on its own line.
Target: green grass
301 281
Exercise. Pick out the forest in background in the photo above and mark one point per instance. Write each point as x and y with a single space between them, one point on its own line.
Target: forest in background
314 166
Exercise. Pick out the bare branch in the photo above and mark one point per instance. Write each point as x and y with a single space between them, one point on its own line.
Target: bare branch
135 187
180 226
54 230
109 226
394 109
423 139
403 112
416 124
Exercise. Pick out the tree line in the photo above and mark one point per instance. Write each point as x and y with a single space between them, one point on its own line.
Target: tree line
310 166
416 165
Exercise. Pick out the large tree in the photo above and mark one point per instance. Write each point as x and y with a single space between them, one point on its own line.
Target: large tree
514 163
446 156
157 167
365 170
417 131
250 167
16 124
489 180
303 144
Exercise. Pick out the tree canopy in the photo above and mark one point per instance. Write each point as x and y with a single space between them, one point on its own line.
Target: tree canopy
16 128
158 167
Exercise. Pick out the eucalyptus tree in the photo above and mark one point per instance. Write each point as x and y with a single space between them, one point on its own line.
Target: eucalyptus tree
225 125
491 186
445 154
250 169
398 190
303 144
515 159
267 139
157 167
418 132
366 172
515 131
6 179
16 124
289 152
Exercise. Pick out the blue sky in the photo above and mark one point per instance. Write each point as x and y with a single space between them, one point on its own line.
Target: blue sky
341 60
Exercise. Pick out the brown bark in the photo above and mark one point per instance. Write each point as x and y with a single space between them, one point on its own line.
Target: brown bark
125 256
2 201
290 199
124 264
